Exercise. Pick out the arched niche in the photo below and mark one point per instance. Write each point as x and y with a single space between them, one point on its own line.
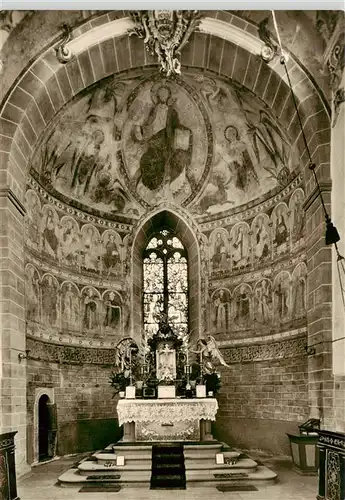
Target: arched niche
167 219
43 395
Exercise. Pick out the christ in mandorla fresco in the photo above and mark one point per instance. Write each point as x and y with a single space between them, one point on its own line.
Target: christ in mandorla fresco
169 143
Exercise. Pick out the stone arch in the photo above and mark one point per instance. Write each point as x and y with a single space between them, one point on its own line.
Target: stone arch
94 290
46 85
115 292
171 219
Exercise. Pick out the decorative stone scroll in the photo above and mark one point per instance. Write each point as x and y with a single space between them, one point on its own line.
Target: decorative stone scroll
166 411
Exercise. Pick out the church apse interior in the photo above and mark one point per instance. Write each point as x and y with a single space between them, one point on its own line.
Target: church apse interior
102 149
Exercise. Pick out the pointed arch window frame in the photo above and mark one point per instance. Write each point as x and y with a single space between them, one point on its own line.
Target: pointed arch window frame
165 248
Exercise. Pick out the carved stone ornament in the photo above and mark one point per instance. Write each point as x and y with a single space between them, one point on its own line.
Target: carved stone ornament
336 62
270 49
334 57
63 53
338 99
165 33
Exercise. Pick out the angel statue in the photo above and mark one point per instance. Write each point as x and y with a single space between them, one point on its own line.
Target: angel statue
209 352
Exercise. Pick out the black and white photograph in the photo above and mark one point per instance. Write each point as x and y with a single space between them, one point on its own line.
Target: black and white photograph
172 311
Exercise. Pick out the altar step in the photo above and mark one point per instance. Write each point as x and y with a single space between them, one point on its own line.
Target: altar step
199 462
260 477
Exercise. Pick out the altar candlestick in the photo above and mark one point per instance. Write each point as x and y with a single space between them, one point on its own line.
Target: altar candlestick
201 368
130 366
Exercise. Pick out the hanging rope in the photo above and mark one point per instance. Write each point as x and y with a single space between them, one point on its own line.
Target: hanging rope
332 235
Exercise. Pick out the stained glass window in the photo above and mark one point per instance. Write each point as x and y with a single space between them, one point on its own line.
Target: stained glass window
165 287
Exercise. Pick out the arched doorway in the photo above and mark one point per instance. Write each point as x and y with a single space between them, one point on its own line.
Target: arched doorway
44 428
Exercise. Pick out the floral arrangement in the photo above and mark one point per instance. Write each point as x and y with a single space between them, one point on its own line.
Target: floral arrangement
211 379
212 382
119 381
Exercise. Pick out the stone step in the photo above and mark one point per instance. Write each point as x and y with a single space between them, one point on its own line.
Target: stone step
195 453
89 468
111 457
242 464
72 477
261 476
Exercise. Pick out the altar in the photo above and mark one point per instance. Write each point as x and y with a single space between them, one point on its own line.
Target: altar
167 419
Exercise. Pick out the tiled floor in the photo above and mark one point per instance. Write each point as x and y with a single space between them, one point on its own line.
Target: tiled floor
40 484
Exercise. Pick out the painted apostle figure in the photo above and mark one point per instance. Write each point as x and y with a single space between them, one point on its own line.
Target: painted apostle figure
112 313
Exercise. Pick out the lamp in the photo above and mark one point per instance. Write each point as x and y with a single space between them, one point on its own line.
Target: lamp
331 235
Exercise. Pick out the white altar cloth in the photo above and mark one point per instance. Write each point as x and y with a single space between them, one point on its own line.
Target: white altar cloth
166 411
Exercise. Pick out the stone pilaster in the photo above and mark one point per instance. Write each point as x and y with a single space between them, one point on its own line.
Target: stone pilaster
326 318
319 289
12 324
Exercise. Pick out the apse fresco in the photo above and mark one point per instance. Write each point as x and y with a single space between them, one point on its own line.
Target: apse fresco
54 306
263 302
221 310
258 307
252 152
129 144
61 240
79 156
165 141
280 228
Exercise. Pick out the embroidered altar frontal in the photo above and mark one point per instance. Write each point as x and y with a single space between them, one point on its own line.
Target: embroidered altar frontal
167 419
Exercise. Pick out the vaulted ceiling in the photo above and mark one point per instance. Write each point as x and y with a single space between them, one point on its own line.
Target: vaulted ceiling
226 47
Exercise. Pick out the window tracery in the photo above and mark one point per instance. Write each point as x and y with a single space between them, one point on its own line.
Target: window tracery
165 283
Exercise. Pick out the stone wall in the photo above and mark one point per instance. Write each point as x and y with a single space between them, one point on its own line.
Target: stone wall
339 404
86 409
260 401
